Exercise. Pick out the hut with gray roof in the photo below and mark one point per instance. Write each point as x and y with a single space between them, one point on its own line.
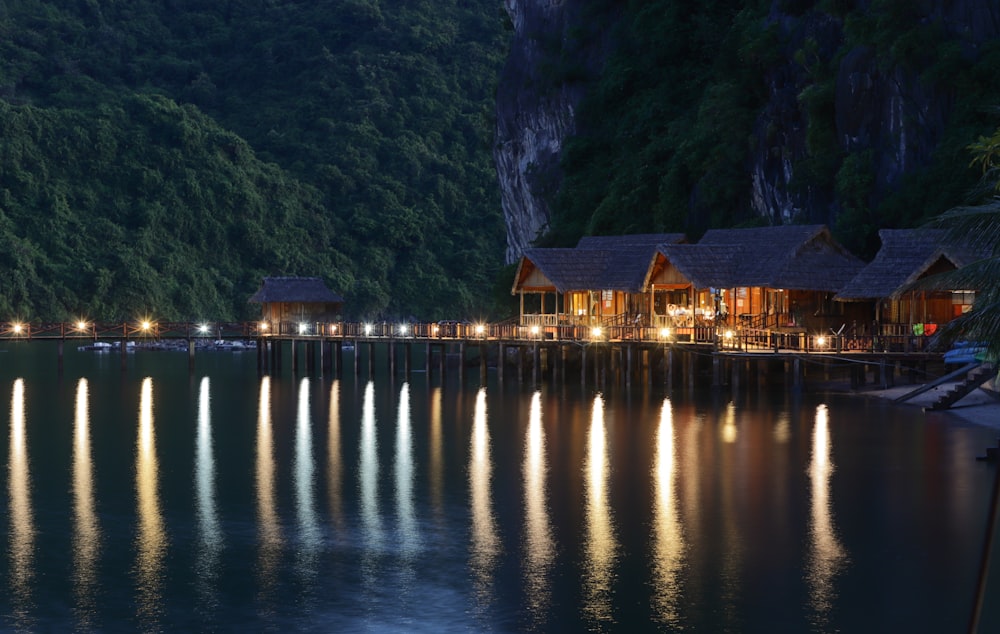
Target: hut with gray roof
906 256
764 277
603 281
287 302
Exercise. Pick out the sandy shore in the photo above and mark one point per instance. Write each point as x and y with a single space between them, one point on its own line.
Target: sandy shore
981 407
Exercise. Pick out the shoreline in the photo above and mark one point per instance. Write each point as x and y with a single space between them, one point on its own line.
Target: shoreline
980 407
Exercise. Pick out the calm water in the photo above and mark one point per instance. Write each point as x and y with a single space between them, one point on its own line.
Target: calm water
156 499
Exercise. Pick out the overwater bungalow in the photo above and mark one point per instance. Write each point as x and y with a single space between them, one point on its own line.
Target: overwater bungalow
295 304
880 293
604 281
780 277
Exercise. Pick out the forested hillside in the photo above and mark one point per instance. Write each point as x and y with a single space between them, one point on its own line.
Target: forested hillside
160 157
853 113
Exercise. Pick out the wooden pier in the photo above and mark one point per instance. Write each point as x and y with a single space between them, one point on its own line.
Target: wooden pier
594 356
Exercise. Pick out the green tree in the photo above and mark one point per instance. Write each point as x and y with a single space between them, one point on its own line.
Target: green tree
979 227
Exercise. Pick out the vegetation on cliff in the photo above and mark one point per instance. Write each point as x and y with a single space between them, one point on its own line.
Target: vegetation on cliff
857 114
162 157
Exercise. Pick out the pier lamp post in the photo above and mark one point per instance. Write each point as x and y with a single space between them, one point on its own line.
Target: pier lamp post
303 328
535 330
368 330
595 333
480 330
263 327
403 329
203 329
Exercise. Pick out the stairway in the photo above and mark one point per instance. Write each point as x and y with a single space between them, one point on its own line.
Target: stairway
972 381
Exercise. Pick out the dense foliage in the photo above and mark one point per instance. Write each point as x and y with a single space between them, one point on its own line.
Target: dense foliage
691 102
161 157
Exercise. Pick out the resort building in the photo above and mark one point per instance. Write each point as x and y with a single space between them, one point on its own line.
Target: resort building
781 277
882 292
287 303
603 281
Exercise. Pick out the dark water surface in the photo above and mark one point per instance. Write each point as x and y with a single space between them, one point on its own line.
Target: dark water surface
154 499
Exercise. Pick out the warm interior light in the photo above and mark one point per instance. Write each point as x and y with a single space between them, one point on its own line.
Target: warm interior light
435 329
334 330
728 334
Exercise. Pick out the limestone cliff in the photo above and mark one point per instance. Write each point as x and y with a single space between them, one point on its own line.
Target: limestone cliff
539 91
851 99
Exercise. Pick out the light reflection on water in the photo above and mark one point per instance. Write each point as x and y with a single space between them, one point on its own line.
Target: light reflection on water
827 556
539 546
151 541
22 523
86 525
485 546
668 533
335 464
209 548
270 539
309 533
601 544
500 509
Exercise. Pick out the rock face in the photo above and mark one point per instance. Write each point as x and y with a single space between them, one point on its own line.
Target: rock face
536 106
885 110
879 113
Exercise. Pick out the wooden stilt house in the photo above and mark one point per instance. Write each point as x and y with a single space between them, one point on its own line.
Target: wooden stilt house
782 277
878 292
603 281
290 304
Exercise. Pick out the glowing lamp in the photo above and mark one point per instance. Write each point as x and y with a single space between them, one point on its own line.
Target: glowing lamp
18 328
263 325
534 331
202 328
595 332
368 329
480 329
821 341
665 332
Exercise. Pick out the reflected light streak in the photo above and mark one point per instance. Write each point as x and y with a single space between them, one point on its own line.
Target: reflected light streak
436 468
827 556
210 534
22 523
152 539
539 545
305 468
335 466
485 546
404 475
668 534
267 516
368 470
729 429
87 530
601 544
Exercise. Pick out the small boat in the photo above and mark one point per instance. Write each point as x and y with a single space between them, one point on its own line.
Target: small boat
97 346
965 352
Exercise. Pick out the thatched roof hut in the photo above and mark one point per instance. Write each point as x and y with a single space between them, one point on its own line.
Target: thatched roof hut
906 255
616 263
794 257
297 299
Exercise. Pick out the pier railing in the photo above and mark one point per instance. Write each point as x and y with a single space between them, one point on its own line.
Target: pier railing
723 338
